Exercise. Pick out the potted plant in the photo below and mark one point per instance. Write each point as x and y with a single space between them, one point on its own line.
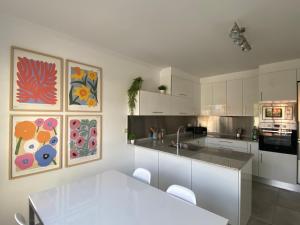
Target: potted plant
131 137
132 93
162 89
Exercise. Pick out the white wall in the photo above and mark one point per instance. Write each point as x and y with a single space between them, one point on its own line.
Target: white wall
118 73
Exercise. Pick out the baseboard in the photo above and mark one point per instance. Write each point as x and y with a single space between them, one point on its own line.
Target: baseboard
277 184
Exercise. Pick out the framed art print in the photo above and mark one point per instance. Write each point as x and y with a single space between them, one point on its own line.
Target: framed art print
84 139
36 81
35 142
84 87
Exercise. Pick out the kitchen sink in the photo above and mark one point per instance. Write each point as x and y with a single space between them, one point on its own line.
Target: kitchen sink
185 146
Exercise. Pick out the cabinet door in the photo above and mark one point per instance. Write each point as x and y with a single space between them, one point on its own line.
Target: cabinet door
217 189
280 85
196 99
219 99
174 169
147 159
182 87
152 103
250 96
206 98
253 149
277 166
181 106
234 97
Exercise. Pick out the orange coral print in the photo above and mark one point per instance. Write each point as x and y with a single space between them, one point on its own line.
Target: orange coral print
36 81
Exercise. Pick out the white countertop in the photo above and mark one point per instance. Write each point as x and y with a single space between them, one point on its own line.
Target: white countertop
113 198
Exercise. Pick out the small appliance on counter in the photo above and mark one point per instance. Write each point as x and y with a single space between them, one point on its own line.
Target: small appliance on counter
197 131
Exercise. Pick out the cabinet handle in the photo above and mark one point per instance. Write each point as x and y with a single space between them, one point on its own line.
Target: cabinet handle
182 94
157 112
230 142
250 148
261 96
260 157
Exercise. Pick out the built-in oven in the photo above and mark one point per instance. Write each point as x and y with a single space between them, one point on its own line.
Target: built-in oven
279 140
278 127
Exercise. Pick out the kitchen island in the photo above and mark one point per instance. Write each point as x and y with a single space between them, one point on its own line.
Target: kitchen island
220 178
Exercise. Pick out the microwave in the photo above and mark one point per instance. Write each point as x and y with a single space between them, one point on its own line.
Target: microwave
284 112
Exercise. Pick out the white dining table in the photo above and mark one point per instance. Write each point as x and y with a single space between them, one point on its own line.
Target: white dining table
113 198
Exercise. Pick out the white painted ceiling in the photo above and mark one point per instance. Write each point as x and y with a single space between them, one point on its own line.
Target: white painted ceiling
188 34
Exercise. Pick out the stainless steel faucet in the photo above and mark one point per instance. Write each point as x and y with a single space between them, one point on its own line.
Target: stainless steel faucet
178 139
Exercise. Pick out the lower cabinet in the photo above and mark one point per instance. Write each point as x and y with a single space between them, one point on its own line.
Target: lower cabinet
278 166
253 149
174 169
224 191
148 159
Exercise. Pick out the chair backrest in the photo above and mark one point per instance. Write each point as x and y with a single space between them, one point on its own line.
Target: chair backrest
142 175
19 218
182 193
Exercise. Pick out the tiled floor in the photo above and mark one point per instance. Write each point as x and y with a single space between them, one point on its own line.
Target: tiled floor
273 206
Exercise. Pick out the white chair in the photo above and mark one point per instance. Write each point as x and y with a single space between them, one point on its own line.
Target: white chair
142 175
182 193
19 218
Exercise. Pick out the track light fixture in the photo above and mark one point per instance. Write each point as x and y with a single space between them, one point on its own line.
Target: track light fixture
239 39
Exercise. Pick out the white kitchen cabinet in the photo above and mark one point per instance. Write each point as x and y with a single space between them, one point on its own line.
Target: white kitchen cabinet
174 169
234 97
232 200
253 149
196 99
148 159
206 99
219 99
181 106
152 103
181 87
276 86
250 96
277 166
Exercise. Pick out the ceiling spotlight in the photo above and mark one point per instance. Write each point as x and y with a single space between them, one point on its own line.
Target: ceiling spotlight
239 39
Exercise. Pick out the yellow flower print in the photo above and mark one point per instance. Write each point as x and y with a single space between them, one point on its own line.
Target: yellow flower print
79 73
91 102
92 75
82 92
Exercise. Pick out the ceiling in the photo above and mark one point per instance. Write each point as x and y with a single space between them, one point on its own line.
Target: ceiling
191 35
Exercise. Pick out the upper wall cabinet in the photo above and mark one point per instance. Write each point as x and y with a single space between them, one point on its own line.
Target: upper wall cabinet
250 96
181 106
182 87
219 99
152 103
234 97
276 86
206 99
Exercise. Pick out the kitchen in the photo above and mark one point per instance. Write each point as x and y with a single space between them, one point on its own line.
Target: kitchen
230 109
150 112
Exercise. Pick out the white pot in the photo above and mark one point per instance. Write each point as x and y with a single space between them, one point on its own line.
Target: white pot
132 142
162 91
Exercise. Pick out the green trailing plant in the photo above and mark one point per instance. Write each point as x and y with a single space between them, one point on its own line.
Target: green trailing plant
132 93
131 136
162 87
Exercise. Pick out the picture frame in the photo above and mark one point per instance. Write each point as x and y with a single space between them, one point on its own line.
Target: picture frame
36 81
84 139
83 87
35 144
